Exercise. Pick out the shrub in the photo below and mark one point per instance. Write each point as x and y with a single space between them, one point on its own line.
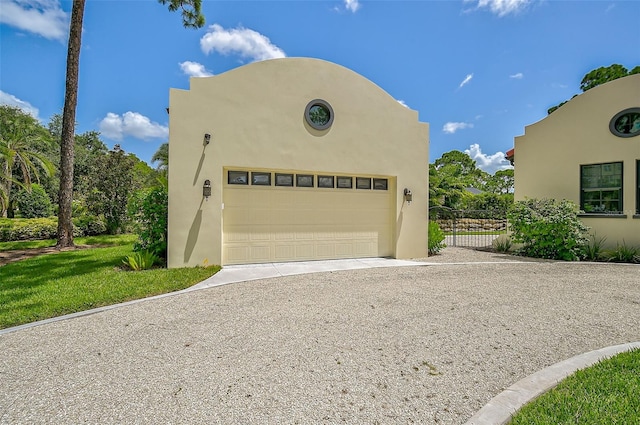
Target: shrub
623 254
20 229
23 229
435 238
548 229
149 210
141 260
90 225
34 203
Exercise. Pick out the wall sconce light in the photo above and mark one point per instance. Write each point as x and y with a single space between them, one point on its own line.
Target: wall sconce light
207 138
206 190
408 196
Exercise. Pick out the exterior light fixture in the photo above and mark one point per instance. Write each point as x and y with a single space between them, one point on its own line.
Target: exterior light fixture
206 190
408 196
207 138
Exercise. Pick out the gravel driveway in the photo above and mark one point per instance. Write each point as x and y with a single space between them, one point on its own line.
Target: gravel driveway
426 344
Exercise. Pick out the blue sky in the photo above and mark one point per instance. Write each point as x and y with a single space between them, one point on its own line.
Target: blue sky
478 71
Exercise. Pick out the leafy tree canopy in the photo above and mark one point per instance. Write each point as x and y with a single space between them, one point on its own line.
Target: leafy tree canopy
192 16
602 75
501 182
452 174
112 184
599 76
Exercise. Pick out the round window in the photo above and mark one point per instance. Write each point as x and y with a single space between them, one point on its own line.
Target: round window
626 123
319 114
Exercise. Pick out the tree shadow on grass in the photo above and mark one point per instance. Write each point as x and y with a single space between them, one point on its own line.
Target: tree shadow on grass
54 284
25 276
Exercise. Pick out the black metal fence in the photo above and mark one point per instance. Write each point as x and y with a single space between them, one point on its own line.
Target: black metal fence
469 228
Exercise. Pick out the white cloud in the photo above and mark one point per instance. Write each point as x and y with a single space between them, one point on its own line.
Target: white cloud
41 17
502 7
466 80
194 69
452 127
242 41
517 76
352 5
403 103
132 124
11 100
488 163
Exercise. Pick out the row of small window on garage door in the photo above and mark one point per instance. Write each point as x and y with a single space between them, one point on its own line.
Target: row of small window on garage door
265 178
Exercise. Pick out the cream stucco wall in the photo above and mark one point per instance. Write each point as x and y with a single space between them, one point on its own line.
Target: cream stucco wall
255 115
549 155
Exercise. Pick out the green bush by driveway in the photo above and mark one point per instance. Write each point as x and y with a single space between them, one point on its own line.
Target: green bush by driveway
548 228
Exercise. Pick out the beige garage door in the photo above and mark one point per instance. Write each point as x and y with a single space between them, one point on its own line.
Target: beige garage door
276 224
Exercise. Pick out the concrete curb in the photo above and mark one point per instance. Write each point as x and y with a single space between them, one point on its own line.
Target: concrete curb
249 272
500 408
89 312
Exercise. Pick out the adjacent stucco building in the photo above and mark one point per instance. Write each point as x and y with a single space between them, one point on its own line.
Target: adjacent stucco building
588 151
294 159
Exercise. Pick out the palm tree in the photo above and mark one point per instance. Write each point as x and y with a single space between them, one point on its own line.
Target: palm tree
162 157
19 133
191 18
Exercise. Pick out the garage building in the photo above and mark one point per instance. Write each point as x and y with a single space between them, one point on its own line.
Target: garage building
294 159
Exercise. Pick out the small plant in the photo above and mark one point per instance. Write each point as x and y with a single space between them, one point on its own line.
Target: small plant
623 254
502 243
593 250
435 238
140 260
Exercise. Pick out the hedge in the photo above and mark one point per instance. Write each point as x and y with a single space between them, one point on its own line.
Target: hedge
21 229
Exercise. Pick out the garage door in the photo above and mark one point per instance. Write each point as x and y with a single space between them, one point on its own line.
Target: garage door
266 222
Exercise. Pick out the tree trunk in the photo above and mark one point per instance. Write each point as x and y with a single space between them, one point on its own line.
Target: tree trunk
65 195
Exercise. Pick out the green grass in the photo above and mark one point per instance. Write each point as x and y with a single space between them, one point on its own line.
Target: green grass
67 282
89 240
606 393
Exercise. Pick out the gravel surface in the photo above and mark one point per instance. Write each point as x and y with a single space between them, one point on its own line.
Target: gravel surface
425 344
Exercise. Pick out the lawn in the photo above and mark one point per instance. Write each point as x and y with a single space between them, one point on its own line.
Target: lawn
67 282
606 393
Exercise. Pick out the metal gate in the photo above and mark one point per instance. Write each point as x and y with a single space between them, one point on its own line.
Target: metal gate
469 228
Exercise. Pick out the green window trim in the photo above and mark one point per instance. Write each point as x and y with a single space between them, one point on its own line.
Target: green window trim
601 190
637 188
